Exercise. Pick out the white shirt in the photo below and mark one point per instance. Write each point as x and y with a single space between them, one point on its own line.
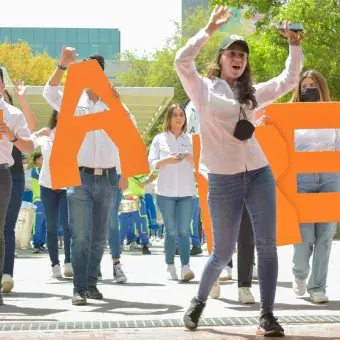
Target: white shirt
16 121
192 121
317 140
97 149
218 110
45 143
174 180
28 177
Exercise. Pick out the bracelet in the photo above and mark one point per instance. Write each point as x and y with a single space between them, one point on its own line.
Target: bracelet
62 67
15 139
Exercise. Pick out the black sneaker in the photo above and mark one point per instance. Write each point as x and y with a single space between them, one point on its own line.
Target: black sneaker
145 250
196 250
43 248
79 297
193 314
36 250
94 293
269 326
1 300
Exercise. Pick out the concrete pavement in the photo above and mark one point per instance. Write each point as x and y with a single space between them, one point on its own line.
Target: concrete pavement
149 300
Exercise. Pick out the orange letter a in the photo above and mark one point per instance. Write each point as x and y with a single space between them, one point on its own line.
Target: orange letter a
71 129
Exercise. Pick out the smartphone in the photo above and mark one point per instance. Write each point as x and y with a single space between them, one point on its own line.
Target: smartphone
292 27
180 156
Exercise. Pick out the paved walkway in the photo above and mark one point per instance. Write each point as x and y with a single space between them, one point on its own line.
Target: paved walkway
148 296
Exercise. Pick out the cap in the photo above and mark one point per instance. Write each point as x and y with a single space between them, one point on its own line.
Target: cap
228 41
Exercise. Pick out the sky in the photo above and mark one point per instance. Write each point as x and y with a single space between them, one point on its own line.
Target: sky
144 24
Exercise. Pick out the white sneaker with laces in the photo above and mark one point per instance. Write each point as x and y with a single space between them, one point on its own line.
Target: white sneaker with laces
172 272
186 273
118 274
245 296
319 297
7 283
227 274
56 271
299 287
215 290
68 270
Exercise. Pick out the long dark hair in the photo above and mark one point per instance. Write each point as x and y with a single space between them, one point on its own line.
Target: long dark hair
52 123
244 89
10 98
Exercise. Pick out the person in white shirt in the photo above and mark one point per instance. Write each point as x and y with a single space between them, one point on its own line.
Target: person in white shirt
55 205
14 131
91 203
171 153
316 237
238 171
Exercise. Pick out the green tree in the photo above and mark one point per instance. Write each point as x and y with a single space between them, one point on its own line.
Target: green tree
321 21
22 63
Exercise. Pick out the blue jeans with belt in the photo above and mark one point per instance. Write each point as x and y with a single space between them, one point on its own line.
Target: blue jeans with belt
18 187
316 237
226 196
90 208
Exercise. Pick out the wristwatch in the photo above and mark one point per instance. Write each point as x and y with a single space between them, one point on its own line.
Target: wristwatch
14 140
62 67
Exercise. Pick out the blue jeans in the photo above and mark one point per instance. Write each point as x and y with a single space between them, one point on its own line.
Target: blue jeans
39 229
195 223
18 187
90 208
227 195
177 214
55 203
316 237
114 228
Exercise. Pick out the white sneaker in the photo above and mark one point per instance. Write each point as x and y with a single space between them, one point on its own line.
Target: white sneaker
186 273
172 272
56 271
215 290
134 247
227 274
118 274
68 270
299 287
319 297
255 274
7 283
245 296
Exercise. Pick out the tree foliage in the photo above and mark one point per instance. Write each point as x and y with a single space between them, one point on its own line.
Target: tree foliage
22 63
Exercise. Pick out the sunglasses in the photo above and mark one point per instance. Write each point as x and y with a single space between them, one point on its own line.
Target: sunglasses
236 54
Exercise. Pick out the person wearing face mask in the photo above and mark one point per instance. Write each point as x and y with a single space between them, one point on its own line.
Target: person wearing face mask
316 237
238 170
171 154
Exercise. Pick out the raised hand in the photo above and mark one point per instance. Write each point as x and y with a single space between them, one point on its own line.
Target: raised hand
293 37
68 56
219 16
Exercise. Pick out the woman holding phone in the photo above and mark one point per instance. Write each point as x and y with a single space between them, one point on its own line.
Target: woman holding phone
171 154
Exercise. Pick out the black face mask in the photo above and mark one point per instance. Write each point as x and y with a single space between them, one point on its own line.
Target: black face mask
244 128
310 95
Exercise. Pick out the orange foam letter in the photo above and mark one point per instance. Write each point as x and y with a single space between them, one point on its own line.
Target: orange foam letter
72 129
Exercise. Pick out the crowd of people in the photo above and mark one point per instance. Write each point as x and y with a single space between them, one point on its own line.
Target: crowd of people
108 208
